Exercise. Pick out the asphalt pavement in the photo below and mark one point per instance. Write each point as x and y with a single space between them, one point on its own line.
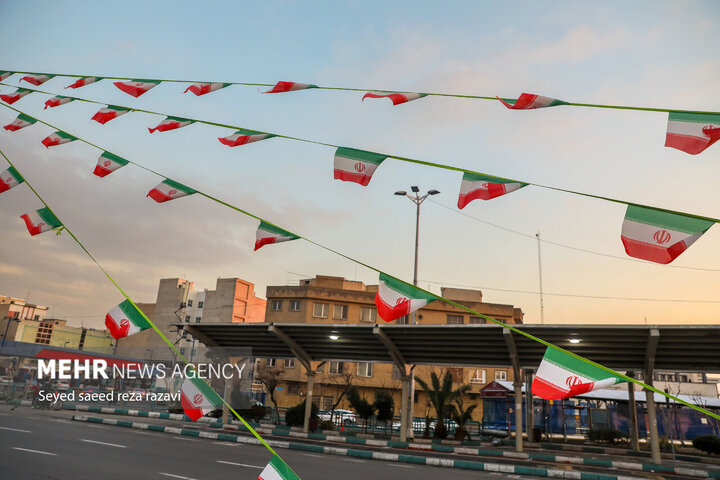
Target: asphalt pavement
41 445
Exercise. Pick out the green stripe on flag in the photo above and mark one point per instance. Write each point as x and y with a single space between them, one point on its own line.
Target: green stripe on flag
206 390
49 218
243 131
477 177
668 220
25 118
134 315
405 289
277 230
179 119
575 365
179 186
281 467
146 81
693 117
65 135
118 109
361 155
114 158
15 174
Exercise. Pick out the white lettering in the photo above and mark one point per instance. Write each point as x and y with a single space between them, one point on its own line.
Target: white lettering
46 368
64 369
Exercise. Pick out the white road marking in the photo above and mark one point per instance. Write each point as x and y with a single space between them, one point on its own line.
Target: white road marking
356 461
33 451
102 443
226 444
175 476
185 438
15 429
311 455
60 420
3 414
240 464
401 466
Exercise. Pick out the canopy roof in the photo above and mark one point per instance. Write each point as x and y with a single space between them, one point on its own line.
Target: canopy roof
694 348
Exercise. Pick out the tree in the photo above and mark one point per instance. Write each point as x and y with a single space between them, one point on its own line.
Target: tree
345 382
461 416
270 378
364 409
385 406
441 397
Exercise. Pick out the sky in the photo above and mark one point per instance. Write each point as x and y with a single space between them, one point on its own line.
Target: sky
643 54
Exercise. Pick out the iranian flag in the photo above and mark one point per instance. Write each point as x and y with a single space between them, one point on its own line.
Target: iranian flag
267 234
57 138
396 98
105 114
281 87
125 320
11 98
528 101
357 166
563 376
277 470
197 398
21 121
242 137
659 236
10 178
169 190
395 299
41 221
81 82
37 80
108 163
475 186
57 101
4 75
171 123
692 132
136 87
204 88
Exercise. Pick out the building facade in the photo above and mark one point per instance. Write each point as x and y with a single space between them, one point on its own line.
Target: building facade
178 301
333 300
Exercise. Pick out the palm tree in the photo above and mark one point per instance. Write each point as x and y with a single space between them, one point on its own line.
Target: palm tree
441 398
461 416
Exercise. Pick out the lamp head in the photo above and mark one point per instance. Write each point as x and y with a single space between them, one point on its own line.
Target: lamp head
433 192
401 193
415 189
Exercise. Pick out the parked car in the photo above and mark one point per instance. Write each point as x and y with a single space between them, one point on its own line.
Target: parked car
344 417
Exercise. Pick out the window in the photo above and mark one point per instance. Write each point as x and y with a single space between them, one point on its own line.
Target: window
187 318
477 320
289 363
458 375
454 319
44 332
36 317
368 315
270 362
477 377
336 367
182 350
683 378
320 310
500 375
293 388
365 369
197 319
276 305
340 312
295 305
189 303
403 320
200 304
327 402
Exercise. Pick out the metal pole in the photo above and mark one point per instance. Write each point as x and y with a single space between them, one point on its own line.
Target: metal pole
530 413
652 421
7 327
518 415
417 238
634 437
308 401
410 433
542 308
403 408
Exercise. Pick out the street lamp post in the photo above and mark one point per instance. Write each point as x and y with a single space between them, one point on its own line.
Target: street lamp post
417 199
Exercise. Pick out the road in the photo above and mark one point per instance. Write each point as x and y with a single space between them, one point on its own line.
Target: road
40 445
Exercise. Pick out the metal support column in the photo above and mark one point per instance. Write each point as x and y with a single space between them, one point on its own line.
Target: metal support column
406 419
404 407
650 396
517 383
634 437
308 401
529 410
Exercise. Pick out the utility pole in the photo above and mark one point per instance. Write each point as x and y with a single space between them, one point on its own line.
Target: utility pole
542 308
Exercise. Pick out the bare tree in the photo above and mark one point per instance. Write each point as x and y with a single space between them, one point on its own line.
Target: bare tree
270 378
344 382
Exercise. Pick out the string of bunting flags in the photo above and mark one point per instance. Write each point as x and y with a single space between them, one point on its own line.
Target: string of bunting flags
197 397
648 233
688 130
395 298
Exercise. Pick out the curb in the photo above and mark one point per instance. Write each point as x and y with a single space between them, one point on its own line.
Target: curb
286 432
391 457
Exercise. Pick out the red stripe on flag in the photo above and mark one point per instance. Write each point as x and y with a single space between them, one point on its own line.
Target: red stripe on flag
130 89
190 410
50 142
396 98
101 171
241 140
12 128
346 176
10 99
4 187
264 241
33 229
389 313
547 390
104 117
158 196
652 253
691 144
